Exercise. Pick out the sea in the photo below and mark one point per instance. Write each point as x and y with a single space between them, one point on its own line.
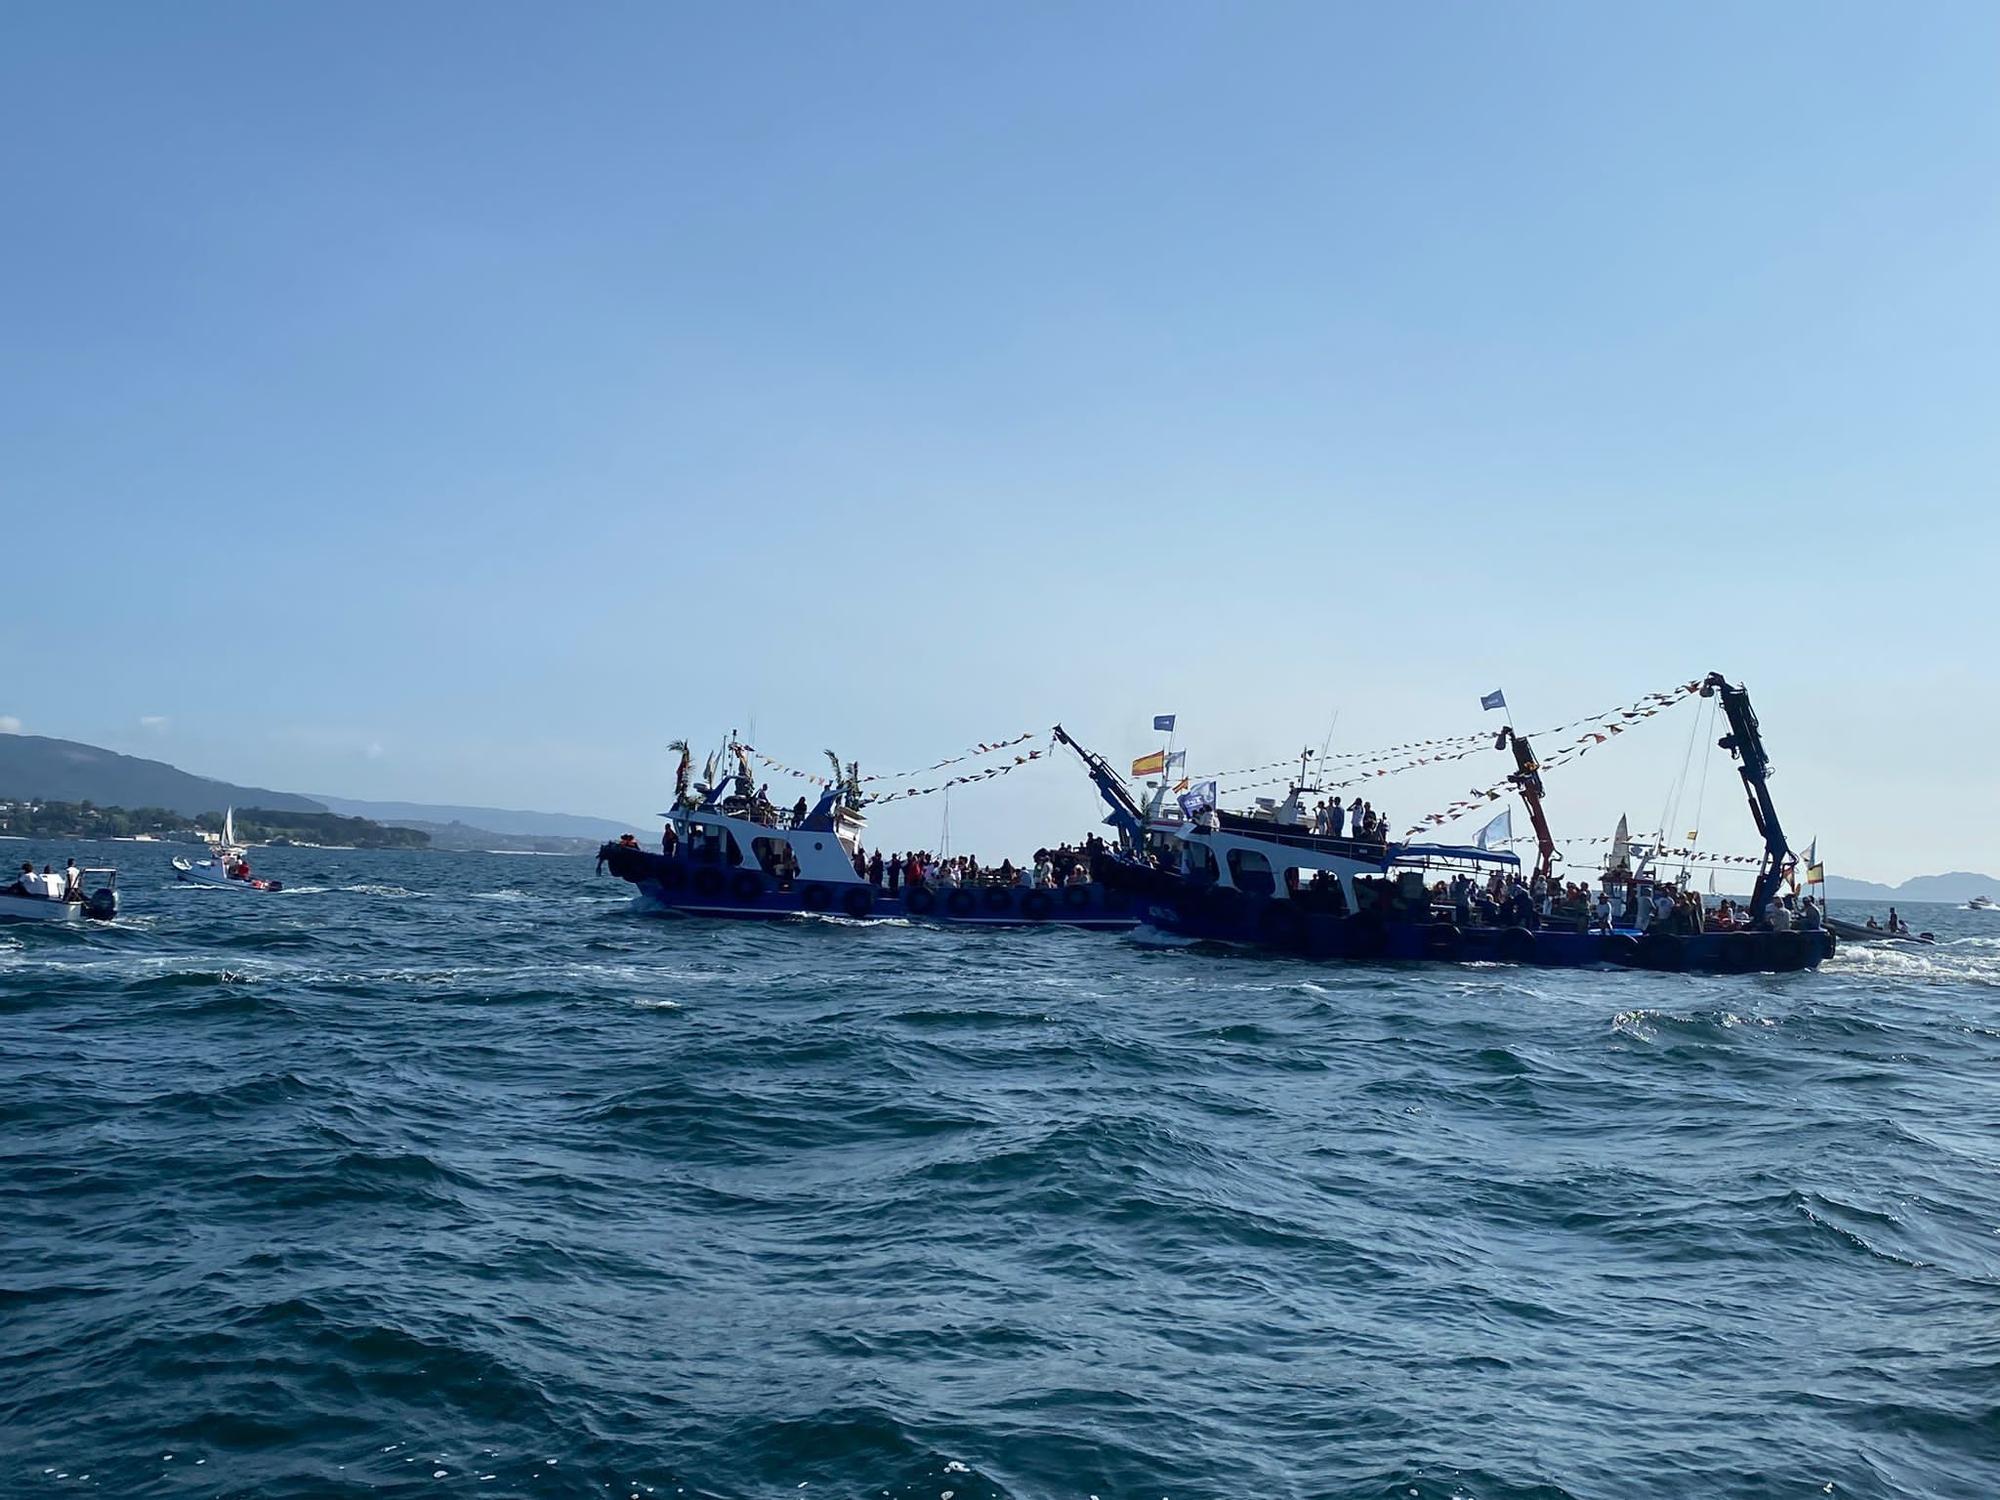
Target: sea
442 1174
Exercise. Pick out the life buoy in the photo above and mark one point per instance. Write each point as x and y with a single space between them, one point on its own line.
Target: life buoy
1663 951
1076 896
858 902
815 897
1442 940
1037 906
1363 935
921 901
708 882
1516 946
998 898
960 903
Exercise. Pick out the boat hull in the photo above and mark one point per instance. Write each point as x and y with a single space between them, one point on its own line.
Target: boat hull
204 873
39 909
747 893
1211 913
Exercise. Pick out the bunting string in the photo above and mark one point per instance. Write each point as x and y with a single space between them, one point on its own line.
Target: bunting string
1598 729
821 779
1394 758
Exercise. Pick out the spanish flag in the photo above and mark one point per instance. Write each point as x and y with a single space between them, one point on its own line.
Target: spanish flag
1150 765
1815 874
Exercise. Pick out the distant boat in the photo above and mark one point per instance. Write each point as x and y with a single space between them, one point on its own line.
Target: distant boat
228 870
1982 903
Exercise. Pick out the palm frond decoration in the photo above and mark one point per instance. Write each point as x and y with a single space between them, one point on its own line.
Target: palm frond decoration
834 761
682 771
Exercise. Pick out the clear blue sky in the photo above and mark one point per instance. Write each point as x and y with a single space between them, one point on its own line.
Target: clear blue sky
455 402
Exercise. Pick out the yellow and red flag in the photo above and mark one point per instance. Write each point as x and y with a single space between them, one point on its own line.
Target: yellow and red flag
1150 765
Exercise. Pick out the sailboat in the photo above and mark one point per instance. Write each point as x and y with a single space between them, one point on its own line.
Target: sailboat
228 869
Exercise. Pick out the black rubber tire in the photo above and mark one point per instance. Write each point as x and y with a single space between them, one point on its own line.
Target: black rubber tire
858 902
815 897
961 903
999 898
1662 951
1363 935
1787 950
1621 948
1737 952
707 883
921 901
1038 906
1516 945
1443 940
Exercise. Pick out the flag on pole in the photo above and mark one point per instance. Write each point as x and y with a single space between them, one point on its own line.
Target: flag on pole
1494 699
1150 765
1498 831
1199 800
1176 762
1164 721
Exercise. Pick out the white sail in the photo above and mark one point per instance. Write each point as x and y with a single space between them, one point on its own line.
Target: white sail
229 829
1621 845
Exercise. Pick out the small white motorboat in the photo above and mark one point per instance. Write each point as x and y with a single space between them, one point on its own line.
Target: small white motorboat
1982 903
228 869
46 898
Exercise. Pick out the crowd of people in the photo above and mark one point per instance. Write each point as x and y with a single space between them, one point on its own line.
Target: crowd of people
1504 900
1051 869
1358 821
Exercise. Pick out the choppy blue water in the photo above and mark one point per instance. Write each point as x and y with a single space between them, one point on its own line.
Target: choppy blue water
447 1175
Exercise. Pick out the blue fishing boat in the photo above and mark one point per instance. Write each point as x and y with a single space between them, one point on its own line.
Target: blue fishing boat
1268 879
726 852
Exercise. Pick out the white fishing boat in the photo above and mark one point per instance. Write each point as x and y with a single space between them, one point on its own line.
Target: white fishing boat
227 869
50 898
1982 903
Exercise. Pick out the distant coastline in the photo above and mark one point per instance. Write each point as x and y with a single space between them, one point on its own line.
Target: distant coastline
255 825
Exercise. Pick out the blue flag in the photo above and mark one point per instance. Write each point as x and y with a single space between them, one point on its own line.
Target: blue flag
1494 699
1198 799
1164 721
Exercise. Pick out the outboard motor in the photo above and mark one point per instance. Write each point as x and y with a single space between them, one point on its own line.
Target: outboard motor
102 904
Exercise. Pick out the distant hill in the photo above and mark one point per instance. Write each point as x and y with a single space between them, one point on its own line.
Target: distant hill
482 820
1958 885
34 767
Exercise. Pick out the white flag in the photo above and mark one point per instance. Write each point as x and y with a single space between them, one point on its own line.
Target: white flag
1498 831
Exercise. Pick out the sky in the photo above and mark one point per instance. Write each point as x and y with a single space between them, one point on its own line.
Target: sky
457 402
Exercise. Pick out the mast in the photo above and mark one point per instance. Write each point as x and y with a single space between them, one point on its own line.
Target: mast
1125 812
1527 779
1746 743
